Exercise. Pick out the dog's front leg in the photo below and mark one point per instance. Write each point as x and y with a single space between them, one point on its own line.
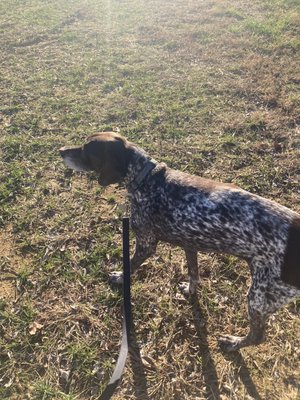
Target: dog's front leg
190 288
144 248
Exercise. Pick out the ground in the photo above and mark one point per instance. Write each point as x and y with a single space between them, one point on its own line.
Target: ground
210 87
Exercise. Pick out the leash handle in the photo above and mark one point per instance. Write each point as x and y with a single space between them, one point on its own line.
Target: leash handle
126 323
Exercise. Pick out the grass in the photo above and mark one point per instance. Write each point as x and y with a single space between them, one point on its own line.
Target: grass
209 87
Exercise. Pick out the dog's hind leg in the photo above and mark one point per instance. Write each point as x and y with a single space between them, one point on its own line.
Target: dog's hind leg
256 334
264 298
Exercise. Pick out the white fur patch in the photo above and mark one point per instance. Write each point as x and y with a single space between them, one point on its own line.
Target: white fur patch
73 165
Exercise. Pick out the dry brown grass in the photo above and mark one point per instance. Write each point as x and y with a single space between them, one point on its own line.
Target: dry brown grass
210 87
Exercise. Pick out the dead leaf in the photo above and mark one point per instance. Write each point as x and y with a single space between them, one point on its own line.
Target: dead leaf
34 328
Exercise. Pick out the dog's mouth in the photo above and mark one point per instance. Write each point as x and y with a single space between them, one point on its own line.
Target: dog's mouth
74 158
102 181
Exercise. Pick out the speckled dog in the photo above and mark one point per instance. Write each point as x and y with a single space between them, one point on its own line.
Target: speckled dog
201 215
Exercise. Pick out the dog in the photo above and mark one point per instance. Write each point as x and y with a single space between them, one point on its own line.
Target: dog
198 214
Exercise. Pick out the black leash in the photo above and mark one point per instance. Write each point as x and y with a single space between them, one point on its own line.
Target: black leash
117 374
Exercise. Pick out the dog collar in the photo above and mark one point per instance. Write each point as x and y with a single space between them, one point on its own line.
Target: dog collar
150 165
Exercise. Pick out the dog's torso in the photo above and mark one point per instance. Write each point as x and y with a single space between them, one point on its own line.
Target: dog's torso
190 211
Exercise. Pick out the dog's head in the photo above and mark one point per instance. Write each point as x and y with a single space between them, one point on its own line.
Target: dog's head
106 153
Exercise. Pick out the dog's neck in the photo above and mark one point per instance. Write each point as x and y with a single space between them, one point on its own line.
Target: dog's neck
139 168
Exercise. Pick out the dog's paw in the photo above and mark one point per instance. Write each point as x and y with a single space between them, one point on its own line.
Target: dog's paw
230 343
188 289
116 279
184 288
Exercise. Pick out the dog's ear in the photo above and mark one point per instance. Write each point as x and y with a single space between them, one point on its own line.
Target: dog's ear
116 161
110 156
118 154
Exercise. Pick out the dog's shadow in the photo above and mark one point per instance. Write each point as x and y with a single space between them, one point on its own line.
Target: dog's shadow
241 371
209 371
139 375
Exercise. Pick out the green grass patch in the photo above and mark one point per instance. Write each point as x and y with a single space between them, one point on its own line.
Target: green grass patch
210 88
